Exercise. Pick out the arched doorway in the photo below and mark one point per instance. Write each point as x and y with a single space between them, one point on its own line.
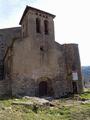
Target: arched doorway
74 84
43 88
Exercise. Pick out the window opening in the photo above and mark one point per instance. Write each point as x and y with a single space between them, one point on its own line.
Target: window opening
46 29
1 71
38 25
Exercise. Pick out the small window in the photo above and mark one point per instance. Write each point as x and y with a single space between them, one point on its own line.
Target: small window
36 13
38 25
41 48
73 68
1 72
46 29
1 37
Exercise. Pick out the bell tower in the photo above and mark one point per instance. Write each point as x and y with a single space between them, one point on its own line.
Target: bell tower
38 26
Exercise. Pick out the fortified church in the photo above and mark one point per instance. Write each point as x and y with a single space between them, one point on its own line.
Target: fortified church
32 63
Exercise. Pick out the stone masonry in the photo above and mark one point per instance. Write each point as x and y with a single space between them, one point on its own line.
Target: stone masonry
33 64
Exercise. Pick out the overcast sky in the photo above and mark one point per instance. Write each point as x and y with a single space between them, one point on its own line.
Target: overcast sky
72 22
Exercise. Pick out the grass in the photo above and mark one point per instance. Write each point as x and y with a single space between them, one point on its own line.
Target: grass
64 109
85 95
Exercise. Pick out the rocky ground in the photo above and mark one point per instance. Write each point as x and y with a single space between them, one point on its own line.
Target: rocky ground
76 107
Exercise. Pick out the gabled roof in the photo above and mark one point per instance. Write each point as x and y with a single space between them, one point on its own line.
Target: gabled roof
31 8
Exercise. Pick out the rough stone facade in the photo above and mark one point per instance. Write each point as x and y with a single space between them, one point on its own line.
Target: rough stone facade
34 64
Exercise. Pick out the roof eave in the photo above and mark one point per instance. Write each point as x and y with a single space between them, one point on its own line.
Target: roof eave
26 10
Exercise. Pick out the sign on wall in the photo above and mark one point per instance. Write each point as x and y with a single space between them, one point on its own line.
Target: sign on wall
74 75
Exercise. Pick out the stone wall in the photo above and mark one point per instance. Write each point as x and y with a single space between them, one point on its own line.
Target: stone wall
29 66
32 57
72 59
6 37
5 88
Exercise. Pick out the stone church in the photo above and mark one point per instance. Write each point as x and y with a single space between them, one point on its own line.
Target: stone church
33 64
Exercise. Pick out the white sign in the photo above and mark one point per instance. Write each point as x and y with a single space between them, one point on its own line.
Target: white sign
75 75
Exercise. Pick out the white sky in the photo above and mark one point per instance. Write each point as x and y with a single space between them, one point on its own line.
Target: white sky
72 22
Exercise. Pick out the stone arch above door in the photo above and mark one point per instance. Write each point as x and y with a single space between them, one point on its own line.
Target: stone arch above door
45 87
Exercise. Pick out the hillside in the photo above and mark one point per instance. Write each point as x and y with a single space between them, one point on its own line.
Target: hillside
86 75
